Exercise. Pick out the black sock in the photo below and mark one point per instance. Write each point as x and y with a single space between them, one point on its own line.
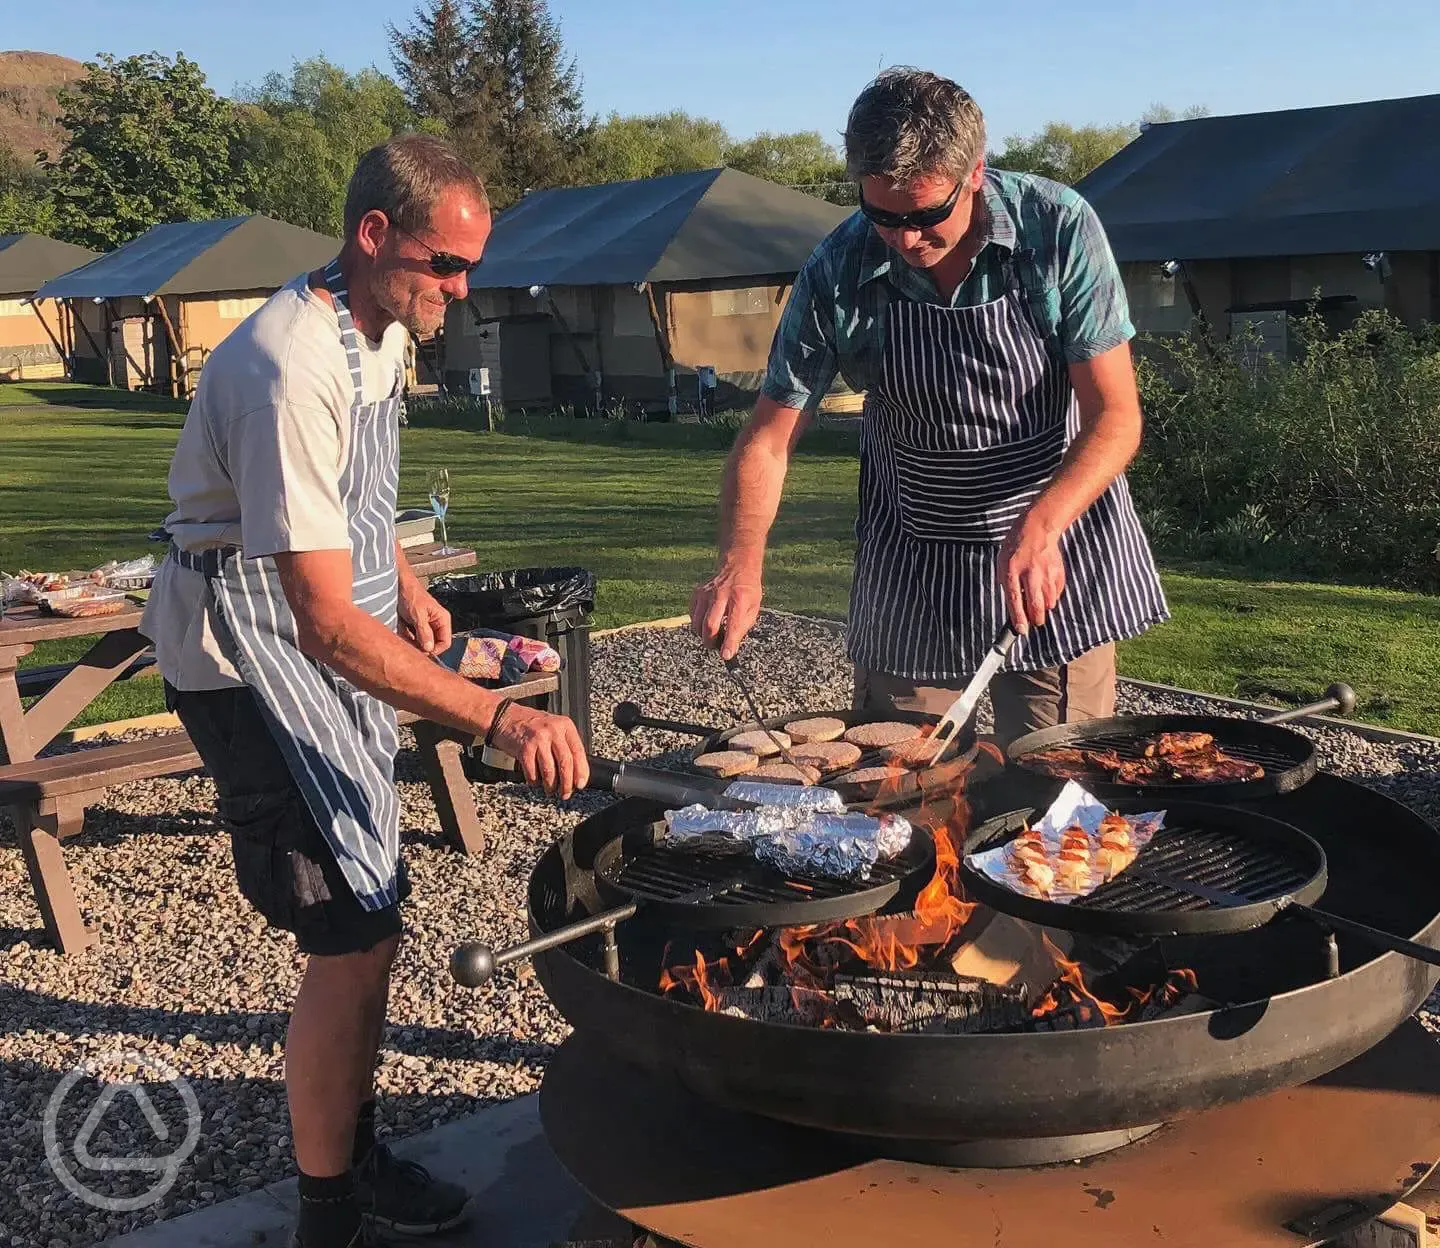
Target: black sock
364 1132
329 1216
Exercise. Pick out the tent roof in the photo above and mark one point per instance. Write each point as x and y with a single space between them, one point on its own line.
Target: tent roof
714 224
1345 178
28 261
198 258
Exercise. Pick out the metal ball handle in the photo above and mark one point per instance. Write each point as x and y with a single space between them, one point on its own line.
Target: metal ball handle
628 716
1339 698
473 964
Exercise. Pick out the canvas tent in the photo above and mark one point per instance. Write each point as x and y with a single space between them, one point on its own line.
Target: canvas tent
612 290
172 295
35 341
1262 210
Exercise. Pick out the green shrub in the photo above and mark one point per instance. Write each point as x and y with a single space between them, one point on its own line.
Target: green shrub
1327 464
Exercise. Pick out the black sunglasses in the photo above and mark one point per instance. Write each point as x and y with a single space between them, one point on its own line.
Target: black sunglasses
920 219
442 263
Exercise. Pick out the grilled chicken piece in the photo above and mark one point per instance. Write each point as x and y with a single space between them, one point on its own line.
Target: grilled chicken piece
1168 743
1067 762
1141 771
1061 761
1216 768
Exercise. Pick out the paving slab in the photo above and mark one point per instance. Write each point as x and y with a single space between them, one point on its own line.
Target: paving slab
523 1198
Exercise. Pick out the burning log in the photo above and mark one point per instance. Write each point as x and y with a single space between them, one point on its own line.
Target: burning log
931 1001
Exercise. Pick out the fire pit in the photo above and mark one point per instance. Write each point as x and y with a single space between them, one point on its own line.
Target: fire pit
968 1074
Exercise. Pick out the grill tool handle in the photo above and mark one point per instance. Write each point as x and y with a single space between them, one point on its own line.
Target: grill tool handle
1371 935
474 963
628 716
1339 698
630 780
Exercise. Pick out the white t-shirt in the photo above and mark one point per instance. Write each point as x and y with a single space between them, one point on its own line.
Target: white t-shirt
259 462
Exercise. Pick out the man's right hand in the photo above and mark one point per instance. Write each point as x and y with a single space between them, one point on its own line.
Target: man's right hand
724 609
547 747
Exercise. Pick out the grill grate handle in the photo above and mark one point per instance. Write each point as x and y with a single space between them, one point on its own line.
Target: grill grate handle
1339 698
629 716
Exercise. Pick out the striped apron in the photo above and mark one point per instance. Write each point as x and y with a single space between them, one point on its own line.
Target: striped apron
968 423
338 741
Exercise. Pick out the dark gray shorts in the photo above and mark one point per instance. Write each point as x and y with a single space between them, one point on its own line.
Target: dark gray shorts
283 865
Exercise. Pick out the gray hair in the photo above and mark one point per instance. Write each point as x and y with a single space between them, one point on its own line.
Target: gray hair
908 123
404 178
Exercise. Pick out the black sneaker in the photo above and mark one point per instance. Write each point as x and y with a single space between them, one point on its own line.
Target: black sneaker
405 1197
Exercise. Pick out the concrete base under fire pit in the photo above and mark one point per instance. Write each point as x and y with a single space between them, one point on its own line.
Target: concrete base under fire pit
1297 1167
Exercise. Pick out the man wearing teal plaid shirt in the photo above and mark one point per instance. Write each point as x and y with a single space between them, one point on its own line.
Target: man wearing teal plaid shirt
984 317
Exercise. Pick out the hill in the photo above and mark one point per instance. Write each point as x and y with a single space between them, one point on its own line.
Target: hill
29 113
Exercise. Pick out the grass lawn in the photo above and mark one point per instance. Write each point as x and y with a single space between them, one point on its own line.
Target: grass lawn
79 485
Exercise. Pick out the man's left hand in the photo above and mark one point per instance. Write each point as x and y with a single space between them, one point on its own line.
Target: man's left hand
427 623
1032 572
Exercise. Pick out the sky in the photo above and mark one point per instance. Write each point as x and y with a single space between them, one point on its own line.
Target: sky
797 64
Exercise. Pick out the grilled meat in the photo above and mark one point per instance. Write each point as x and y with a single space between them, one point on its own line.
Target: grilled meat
1142 771
1212 767
1170 743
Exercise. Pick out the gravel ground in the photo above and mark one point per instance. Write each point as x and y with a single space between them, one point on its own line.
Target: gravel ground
188 978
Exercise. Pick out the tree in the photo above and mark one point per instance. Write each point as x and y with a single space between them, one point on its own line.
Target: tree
25 203
435 61
621 148
149 142
302 134
1162 112
801 159
1061 151
1067 153
495 75
530 94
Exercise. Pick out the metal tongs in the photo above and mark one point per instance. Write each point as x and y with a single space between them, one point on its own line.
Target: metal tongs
963 708
733 667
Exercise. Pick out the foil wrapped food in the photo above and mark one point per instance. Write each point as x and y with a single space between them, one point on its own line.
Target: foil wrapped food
794 796
798 841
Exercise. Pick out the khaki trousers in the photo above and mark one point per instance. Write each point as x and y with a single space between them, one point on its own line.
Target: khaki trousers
1023 701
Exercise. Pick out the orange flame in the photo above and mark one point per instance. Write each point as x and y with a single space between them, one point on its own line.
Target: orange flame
1071 974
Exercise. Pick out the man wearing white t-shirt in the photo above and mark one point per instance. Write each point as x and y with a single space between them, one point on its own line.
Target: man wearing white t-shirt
288 627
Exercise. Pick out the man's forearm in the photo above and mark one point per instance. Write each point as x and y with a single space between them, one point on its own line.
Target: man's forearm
754 481
1100 452
367 654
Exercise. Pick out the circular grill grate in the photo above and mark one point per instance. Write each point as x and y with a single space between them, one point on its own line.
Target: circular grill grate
1128 746
1287 756
659 874
1225 858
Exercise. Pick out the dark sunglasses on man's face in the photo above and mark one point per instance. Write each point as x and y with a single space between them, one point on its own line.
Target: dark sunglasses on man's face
442 263
920 219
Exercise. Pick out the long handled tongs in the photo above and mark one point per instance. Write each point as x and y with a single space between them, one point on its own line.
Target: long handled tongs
733 667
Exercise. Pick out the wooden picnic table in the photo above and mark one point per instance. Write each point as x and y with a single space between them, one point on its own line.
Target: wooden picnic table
48 796
24 733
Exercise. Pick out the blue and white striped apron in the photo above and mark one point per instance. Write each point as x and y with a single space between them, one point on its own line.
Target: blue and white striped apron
339 742
968 423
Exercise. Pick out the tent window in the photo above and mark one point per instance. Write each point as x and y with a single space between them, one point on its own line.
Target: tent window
13 307
239 309
744 301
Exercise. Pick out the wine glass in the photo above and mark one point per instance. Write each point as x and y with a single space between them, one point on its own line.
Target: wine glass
440 504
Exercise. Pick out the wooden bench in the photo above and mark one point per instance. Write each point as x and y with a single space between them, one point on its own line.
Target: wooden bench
48 796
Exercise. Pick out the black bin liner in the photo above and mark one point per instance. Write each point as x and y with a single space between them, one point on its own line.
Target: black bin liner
489 599
552 605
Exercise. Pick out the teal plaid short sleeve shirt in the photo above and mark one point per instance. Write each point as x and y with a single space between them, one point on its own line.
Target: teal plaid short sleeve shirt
834 320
